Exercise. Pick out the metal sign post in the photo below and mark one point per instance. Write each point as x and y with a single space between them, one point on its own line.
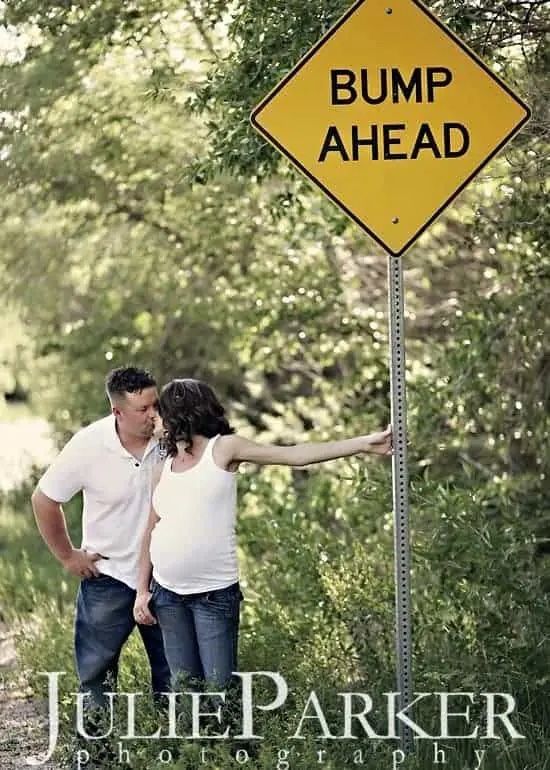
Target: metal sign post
403 636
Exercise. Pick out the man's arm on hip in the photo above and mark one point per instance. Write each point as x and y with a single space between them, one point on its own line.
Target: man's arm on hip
52 525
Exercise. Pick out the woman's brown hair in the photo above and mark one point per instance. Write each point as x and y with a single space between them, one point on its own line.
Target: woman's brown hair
189 407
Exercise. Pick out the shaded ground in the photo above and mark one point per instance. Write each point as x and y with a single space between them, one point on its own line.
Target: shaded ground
23 723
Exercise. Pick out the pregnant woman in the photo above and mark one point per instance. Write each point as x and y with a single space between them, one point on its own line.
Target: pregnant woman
190 544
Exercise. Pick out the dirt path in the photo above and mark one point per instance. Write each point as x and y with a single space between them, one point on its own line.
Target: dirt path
23 722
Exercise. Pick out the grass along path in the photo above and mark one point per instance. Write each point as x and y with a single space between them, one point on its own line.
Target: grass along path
25 440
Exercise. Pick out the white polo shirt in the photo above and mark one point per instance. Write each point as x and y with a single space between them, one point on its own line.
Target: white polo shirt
116 490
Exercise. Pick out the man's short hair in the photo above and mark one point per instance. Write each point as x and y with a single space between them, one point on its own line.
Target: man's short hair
128 379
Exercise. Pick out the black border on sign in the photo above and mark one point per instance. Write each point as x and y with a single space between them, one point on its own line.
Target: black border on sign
313 51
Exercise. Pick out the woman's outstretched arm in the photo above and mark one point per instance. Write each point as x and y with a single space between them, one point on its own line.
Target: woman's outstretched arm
233 449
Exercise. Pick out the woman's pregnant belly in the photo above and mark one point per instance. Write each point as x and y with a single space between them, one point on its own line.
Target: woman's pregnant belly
190 561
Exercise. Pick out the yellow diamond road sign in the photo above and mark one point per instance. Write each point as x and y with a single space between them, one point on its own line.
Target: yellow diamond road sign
392 116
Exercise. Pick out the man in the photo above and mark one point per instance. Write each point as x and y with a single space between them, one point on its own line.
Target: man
111 461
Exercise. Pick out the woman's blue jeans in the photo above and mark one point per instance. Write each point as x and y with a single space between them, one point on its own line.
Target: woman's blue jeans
200 633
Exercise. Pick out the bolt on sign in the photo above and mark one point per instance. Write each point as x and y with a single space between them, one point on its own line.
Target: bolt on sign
391 115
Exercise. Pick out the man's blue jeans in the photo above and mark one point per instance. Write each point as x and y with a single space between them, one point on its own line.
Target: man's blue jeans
200 633
104 621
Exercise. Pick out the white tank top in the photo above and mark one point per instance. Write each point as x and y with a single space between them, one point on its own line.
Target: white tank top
193 546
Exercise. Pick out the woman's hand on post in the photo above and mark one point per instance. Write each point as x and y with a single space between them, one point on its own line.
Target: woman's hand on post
380 443
142 613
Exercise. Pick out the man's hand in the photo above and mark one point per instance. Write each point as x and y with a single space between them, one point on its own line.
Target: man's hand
142 614
82 564
380 443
